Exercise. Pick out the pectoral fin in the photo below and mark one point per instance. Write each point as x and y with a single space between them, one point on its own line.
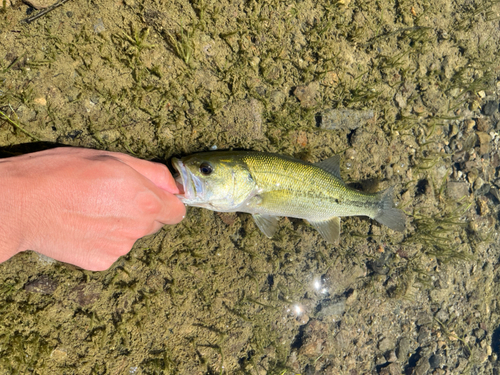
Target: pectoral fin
267 224
329 229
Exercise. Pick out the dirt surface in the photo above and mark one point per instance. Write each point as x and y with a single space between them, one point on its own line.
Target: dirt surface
213 295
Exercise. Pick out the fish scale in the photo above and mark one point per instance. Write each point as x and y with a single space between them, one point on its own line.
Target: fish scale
311 193
269 186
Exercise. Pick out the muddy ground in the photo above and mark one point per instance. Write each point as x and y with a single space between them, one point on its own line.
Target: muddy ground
407 91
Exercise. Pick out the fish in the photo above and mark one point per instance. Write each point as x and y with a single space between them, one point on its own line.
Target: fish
269 186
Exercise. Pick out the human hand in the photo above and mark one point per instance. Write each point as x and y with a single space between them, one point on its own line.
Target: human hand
84 207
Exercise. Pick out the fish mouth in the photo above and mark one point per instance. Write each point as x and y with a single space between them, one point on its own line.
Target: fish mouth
191 187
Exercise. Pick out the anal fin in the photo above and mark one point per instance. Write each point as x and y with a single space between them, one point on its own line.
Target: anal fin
329 229
267 224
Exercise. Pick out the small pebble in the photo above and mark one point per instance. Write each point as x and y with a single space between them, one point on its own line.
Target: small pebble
490 108
436 360
99 26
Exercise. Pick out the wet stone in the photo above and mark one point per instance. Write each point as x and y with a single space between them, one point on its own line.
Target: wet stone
58 355
386 344
423 335
484 142
43 285
423 366
348 119
99 26
228 218
392 369
457 189
436 361
479 333
482 189
482 206
390 356
277 98
403 349
424 319
307 94
490 108
483 124
442 315
379 266
332 309
495 192
84 294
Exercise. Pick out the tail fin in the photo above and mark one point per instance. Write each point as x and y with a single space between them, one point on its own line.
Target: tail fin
389 216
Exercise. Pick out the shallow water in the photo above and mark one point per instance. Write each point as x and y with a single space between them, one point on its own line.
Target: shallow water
213 294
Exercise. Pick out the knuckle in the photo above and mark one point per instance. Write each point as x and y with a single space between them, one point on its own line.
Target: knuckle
149 203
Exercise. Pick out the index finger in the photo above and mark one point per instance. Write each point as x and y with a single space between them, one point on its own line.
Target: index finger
157 173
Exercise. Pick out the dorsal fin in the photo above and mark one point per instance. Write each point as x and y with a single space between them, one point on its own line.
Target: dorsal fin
331 165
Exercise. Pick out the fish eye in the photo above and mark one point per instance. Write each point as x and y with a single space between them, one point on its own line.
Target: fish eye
206 169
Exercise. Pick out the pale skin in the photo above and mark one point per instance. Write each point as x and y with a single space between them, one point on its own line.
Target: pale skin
83 207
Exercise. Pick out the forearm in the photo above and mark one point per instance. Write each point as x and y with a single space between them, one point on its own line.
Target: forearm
11 231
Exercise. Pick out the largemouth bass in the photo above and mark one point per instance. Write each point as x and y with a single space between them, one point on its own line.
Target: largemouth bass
269 186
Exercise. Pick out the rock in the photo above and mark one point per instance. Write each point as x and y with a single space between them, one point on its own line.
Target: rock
424 319
403 349
43 285
400 100
422 366
307 94
392 369
495 192
99 26
386 344
379 266
460 157
40 101
479 333
332 309
490 108
314 336
423 335
347 119
442 315
482 206
436 361
390 356
302 138
108 135
58 354
484 142
481 187
483 124
276 98
40 4
227 218
85 294
45 260
457 189
434 99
